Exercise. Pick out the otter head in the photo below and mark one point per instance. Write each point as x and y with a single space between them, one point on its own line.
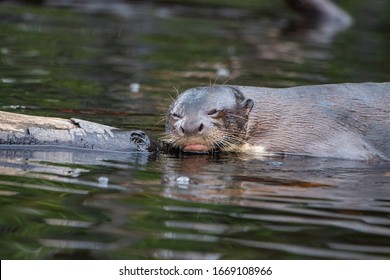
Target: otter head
207 119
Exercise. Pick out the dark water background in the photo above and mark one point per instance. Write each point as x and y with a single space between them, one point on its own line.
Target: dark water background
79 60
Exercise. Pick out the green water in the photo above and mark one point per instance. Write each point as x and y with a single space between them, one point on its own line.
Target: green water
79 61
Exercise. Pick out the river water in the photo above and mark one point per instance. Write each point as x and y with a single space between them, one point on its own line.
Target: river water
82 60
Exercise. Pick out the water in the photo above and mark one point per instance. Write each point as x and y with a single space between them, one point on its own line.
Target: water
84 60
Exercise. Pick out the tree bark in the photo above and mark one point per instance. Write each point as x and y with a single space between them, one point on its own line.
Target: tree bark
18 129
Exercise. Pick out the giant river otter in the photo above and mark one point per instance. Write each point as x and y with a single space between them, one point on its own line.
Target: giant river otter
350 121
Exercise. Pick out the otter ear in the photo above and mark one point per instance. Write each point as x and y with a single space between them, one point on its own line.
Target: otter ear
247 105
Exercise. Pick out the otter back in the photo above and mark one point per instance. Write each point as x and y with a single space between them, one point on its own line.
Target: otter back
349 121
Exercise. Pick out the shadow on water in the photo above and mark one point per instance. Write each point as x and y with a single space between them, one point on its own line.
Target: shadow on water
78 61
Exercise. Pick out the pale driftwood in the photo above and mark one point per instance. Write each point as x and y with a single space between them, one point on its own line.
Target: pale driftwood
18 129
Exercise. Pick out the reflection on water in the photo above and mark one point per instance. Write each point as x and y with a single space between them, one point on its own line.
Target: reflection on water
193 207
74 204
336 200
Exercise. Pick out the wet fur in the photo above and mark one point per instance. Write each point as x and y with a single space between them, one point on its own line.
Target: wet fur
223 131
350 121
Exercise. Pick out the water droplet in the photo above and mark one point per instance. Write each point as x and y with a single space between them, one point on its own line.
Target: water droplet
135 87
183 180
103 182
223 72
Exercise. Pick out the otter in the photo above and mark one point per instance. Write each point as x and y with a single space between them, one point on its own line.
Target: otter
347 121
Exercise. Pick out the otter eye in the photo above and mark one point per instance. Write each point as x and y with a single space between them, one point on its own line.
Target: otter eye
213 113
176 116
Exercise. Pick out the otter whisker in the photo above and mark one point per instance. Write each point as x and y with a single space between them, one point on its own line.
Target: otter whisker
162 119
239 117
171 97
177 90
226 140
215 81
228 80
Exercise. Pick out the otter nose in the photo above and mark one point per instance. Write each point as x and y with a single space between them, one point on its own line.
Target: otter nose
192 127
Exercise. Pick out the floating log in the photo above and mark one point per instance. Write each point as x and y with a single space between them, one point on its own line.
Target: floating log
19 129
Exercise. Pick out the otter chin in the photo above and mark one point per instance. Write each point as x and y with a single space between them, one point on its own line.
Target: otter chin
347 121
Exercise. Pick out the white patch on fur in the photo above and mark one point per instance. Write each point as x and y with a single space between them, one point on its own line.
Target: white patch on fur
254 150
